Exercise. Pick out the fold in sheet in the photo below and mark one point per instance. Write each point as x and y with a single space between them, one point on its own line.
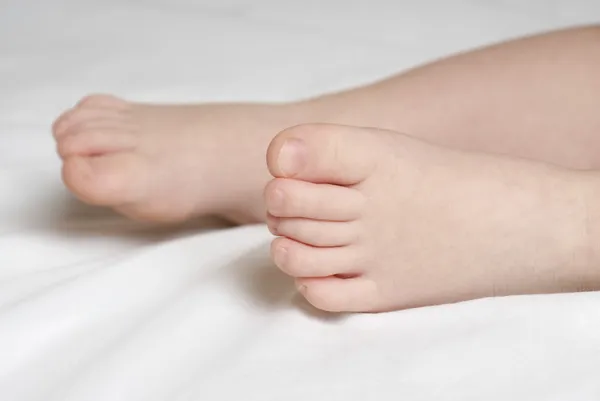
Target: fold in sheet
94 307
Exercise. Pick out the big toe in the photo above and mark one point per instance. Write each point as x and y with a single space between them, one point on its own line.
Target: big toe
109 180
323 153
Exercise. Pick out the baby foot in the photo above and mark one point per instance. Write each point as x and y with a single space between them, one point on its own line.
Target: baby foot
372 220
168 163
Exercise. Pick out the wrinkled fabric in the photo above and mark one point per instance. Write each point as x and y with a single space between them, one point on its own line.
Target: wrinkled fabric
95 307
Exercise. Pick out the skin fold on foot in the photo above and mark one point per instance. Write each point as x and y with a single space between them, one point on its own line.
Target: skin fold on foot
371 220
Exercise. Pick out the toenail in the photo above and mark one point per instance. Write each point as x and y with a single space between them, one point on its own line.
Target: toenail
292 157
273 227
280 256
276 201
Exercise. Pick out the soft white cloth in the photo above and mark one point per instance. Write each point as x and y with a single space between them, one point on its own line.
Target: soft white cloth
93 307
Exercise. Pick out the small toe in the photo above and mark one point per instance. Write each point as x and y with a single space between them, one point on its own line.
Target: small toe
106 180
335 294
77 119
301 260
102 100
323 153
96 142
294 198
315 232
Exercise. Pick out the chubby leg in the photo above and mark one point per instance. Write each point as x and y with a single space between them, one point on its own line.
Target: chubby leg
536 98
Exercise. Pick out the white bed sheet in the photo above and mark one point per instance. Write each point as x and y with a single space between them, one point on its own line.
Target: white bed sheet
93 307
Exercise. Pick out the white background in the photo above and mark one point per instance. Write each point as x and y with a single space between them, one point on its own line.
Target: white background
93 307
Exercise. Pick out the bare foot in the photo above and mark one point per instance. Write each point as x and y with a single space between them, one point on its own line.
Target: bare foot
169 163
372 220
